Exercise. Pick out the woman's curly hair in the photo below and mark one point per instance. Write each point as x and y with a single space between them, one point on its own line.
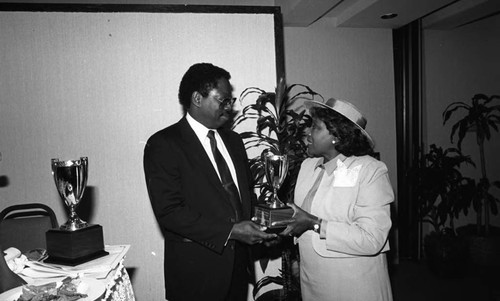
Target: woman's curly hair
351 140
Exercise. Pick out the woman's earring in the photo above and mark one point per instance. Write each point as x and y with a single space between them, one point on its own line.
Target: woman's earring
333 141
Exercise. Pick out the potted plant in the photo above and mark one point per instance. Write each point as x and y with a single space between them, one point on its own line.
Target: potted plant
443 193
481 117
281 125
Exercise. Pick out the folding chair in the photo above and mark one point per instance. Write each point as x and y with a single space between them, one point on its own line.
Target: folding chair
24 226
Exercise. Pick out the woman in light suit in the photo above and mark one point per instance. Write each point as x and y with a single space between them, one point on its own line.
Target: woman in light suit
342 210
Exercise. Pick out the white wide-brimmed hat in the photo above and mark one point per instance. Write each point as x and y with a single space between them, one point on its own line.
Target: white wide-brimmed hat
344 108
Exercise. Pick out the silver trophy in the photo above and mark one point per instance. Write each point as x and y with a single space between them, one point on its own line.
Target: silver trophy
71 179
274 214
76 241
276 168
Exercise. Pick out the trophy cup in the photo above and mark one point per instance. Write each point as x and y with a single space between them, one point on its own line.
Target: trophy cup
273 214
75 241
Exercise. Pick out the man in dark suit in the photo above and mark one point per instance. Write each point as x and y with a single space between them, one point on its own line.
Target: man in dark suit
206 224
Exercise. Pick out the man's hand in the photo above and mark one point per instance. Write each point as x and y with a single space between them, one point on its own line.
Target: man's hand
250 233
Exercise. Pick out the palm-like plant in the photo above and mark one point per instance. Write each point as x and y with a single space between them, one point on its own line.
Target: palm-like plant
443 192
482 117
281 125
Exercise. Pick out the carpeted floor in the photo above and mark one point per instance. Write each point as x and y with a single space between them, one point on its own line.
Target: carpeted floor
413 281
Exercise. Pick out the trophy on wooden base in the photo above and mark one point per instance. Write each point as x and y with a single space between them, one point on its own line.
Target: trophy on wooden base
75 241
273 214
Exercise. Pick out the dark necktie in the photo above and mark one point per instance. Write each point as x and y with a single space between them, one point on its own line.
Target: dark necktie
226 178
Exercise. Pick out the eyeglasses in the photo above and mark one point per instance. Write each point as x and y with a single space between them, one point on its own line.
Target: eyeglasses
225 102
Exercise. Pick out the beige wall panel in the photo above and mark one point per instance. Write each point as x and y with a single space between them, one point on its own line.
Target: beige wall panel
98 85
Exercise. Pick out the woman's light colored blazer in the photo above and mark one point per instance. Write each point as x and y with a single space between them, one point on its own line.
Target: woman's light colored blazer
354 199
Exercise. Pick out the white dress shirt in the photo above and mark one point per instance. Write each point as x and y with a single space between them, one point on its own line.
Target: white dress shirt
201 132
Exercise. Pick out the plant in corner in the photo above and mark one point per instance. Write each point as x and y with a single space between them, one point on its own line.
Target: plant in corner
481 117
281 125
443 193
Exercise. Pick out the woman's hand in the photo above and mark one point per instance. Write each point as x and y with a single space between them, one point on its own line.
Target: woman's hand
301 222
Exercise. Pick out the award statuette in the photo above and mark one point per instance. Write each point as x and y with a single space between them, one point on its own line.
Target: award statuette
273 214
75 241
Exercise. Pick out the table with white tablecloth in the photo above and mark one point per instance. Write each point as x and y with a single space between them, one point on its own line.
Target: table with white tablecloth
118 286
106 277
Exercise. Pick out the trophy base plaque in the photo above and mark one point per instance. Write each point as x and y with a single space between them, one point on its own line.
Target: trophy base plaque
275 219
75 247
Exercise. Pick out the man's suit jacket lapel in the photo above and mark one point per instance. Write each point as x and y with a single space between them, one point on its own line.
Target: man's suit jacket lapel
195 152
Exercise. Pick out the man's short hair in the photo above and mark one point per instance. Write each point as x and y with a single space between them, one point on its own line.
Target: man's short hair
201 77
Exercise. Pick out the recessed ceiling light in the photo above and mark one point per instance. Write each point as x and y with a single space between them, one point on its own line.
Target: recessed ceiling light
389 16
